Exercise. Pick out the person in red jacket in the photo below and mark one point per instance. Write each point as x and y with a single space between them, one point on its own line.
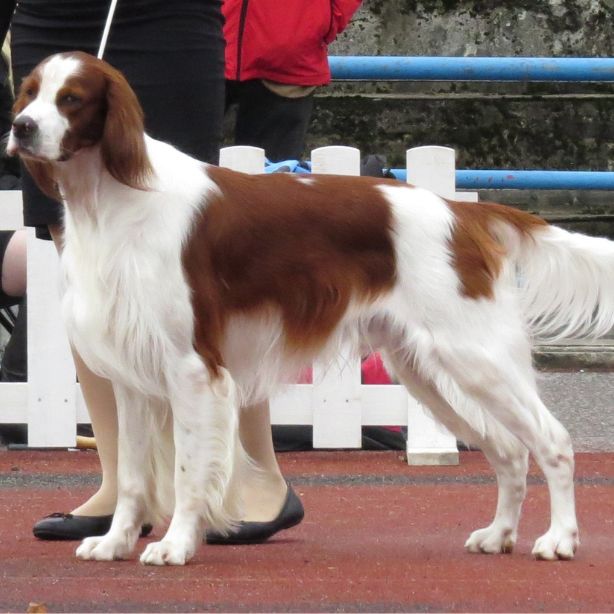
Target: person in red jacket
276 56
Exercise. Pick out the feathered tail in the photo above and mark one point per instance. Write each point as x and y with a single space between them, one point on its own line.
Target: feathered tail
566 279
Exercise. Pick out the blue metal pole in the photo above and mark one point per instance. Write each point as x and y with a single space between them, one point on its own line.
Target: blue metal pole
393 68
528 180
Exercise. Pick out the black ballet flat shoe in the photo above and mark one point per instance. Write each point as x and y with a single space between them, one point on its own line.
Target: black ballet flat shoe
63 527
291 514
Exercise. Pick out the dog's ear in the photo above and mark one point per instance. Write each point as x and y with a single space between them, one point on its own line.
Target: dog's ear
42 173
123 139
27 91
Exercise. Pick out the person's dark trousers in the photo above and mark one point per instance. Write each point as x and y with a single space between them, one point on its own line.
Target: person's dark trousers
14 367
9 167
265 119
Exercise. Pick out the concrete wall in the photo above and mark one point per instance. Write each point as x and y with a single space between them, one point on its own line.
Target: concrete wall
480 27
491 125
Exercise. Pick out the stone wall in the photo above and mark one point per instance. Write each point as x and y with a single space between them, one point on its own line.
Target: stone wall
490 125
480 27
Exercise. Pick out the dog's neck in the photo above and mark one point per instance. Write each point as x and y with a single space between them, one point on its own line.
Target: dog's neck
79 180
94 199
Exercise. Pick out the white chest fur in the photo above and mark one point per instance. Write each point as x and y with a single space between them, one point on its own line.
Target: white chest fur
125 300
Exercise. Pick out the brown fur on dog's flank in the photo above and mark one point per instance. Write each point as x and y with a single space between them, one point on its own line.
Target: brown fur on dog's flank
280 241
477 254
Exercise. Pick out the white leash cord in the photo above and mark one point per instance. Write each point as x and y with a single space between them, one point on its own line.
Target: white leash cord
107 27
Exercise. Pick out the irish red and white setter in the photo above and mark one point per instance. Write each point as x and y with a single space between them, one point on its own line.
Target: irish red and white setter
197 289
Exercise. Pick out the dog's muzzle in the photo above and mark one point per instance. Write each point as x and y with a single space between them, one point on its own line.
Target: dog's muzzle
24 134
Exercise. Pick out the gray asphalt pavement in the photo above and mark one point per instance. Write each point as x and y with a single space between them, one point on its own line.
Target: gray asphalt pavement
584 402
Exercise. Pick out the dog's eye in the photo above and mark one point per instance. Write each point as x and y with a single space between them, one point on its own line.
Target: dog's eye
70 99
30 93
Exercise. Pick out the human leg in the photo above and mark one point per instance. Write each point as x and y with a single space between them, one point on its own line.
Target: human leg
14 265
100 401
269 504
264 487
276 123
13 293
94 515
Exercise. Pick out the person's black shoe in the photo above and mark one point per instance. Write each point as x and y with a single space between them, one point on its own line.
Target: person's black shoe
291 514
62 527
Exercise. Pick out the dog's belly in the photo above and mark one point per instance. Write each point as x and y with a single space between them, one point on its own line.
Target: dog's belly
260 360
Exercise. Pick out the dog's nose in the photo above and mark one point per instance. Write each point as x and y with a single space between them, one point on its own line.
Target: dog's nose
24 127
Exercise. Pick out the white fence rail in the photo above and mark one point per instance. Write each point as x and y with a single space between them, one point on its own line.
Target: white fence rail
337 404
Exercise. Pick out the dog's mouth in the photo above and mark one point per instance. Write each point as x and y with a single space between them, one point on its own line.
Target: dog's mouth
24 151
21 147
65 155
28 151
13 148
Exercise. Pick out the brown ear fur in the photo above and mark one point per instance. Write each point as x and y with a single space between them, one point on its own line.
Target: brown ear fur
42 173
123 140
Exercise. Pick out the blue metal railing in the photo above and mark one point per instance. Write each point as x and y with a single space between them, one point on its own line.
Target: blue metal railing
397 68
527 180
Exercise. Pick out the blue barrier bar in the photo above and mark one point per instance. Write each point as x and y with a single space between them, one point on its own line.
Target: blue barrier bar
393 68
528 180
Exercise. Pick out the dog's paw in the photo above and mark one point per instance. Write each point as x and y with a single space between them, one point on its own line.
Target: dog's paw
102 548
166 553
491 540
556 544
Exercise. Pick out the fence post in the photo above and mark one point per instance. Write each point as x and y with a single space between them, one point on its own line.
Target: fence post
52 384
428 442
337 415
243 158
432 168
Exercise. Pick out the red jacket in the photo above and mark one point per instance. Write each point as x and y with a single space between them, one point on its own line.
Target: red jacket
283 40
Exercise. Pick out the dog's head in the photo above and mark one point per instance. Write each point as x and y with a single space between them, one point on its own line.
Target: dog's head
72 101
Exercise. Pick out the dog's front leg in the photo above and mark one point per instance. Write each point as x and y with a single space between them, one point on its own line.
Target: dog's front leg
205 425
133 481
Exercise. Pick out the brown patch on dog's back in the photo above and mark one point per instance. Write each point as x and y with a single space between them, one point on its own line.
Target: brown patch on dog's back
478 254
303 247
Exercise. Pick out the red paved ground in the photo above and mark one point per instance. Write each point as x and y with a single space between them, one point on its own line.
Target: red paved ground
364 546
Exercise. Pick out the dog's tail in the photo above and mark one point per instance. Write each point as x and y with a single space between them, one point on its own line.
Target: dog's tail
566 279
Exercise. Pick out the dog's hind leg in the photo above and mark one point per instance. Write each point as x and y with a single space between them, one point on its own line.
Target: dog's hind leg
510 460
135 482
495 371
508 457
205 420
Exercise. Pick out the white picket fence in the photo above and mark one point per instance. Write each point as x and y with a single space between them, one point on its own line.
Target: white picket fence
337 404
